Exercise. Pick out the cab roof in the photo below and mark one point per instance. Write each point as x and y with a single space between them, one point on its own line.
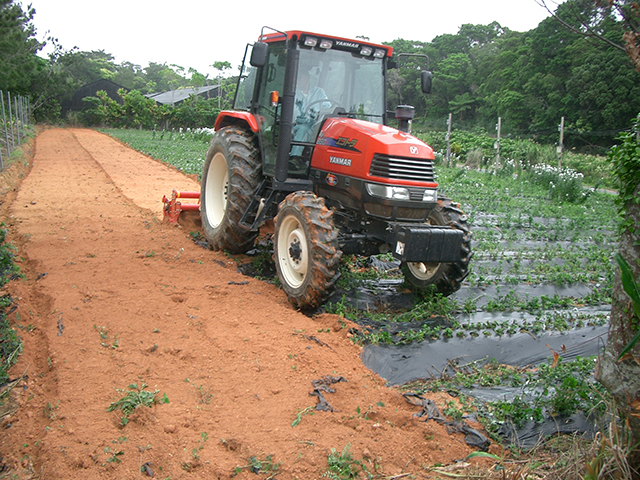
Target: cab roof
341 43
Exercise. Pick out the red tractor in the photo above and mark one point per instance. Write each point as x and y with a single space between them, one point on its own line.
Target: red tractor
307 145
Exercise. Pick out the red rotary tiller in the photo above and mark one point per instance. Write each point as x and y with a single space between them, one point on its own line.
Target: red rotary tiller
173 208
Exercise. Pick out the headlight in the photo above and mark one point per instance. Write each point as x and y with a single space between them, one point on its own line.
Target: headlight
386 191
379 53
430 195
310 42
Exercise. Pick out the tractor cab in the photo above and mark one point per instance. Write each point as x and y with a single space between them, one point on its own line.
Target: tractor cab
293 82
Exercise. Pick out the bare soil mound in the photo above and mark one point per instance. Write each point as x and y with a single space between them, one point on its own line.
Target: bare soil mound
113 297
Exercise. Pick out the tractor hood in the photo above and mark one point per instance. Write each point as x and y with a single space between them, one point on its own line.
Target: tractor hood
373 152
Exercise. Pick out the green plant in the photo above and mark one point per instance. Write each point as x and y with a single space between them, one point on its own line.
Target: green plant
135 396
625 159
203 438
113 455
204 394
10 342
632 288
341 308
266 466
343 466
104 335
304 411
610 453
10 347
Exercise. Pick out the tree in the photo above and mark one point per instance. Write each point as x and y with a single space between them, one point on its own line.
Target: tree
620 374
221 67
87 67
627 10
18 48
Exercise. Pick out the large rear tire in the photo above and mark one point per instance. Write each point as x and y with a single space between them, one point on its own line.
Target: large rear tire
306 251
445 277
230 179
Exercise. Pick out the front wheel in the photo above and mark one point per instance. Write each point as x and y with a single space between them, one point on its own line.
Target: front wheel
445 277
306 249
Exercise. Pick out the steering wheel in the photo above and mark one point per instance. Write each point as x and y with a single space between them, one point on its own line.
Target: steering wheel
332 103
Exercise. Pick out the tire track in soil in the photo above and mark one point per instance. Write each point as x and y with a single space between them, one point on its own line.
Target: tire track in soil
235 361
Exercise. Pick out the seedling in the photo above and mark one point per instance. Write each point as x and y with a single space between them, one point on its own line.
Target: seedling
136 396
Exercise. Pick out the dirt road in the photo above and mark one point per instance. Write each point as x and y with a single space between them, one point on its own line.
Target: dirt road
113 296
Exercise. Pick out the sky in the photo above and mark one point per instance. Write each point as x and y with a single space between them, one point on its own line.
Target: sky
197 33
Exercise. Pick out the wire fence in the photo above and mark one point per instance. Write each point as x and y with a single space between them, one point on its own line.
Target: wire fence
16 117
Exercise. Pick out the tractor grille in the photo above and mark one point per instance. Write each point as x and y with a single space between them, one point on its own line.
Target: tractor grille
397 168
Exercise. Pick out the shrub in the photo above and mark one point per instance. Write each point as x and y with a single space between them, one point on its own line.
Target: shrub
564 184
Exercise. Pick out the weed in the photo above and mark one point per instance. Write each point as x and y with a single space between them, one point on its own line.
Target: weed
369 411
304 411
136 396
113 455
10 347
343 466
204 394
49 411
104 335
203 438
257 466
341 308
10 342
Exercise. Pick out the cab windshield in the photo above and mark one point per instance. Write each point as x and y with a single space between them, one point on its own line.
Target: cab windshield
340 82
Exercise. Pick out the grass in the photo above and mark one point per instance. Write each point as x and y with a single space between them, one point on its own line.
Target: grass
10 342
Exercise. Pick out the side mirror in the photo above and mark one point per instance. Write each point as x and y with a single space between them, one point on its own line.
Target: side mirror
426 78
259 55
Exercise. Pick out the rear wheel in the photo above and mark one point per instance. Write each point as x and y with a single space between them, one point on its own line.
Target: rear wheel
306 249
230 179
445 277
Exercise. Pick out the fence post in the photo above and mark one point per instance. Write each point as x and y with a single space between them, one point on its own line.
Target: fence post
13 143
448 141
16 100
561 144
25 118
497 145
4 124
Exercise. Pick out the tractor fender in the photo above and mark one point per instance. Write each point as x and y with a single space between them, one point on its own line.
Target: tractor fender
232 117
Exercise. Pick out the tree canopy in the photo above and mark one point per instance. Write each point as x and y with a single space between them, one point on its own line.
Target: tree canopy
535 78
18 48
